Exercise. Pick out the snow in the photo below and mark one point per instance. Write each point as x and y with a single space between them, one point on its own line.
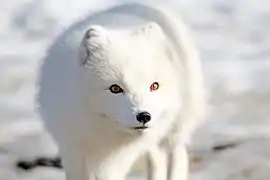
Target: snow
234 40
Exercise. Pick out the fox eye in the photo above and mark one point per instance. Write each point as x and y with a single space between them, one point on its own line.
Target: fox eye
115 89
154 86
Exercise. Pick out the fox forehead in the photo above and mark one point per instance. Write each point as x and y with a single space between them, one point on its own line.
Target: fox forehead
132 58
136 56
136 69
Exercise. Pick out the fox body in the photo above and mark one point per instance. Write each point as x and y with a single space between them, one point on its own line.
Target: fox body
118 84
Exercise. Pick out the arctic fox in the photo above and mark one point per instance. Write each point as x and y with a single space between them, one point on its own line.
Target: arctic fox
121 83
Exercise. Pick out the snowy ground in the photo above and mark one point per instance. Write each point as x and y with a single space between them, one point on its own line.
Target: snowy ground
234 38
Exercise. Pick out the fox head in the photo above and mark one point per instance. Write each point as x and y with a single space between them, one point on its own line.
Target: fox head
129 77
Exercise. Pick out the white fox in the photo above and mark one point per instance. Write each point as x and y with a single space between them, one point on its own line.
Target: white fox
118 84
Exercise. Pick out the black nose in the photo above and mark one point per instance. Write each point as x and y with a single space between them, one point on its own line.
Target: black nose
143 117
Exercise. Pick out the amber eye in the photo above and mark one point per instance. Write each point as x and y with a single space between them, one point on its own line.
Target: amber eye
115 89
154 86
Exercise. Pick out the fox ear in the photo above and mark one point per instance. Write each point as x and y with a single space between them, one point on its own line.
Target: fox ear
94 44
151 30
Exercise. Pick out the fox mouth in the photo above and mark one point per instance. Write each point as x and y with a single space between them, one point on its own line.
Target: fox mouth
140 127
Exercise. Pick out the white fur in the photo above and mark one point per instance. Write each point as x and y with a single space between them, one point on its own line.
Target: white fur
133 46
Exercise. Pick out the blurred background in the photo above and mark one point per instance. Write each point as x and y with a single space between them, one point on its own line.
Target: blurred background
233 37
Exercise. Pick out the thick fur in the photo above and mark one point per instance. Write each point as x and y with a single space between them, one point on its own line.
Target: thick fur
133 46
